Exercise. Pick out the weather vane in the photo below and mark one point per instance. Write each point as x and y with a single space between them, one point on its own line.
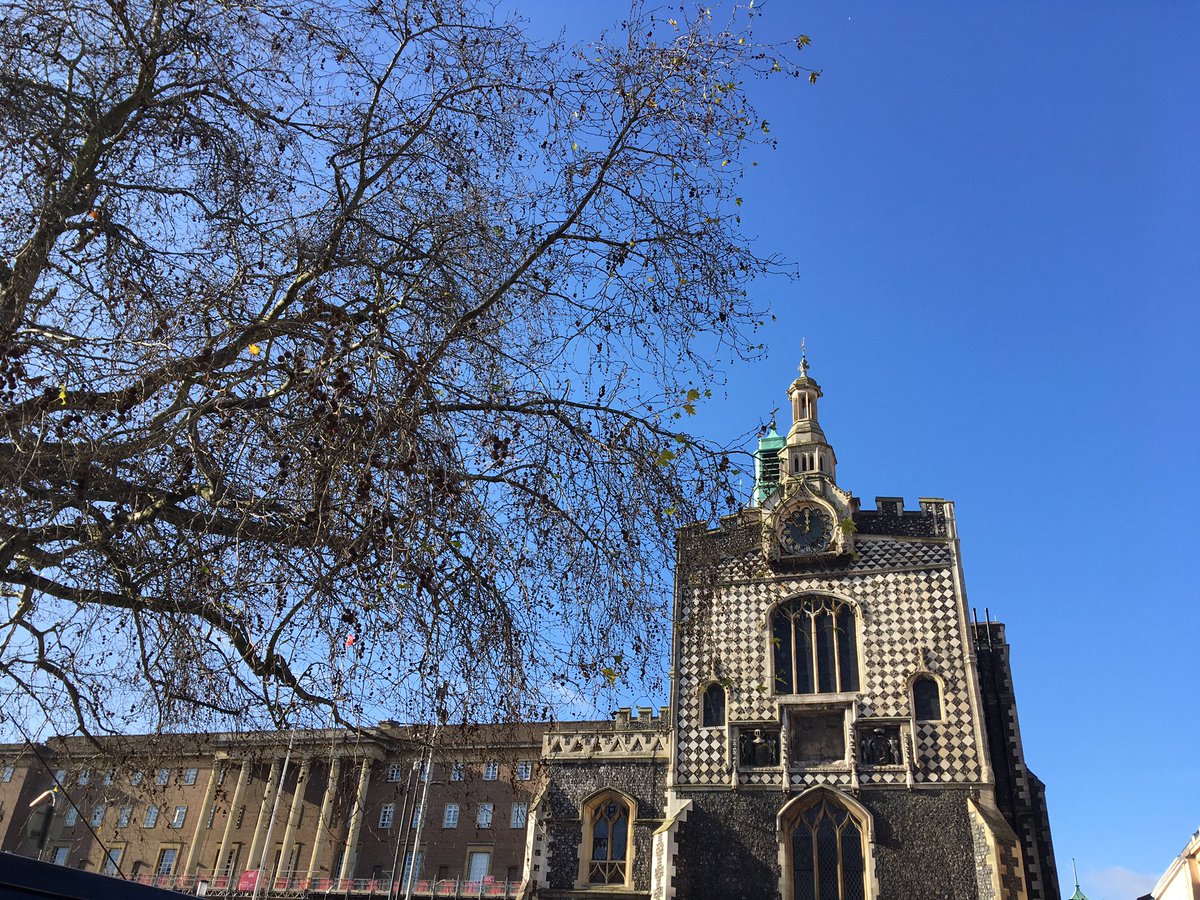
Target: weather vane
803 361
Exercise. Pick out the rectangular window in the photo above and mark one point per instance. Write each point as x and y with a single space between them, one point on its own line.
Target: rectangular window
491 771
483 819
98 816
6 774
387 813
112 860
151 817
416 819
524 770
424 776
229 866
450 816
72 816
189 776
457 771
520 812
136 778
60 856
124 816
166 861
85 777
212 814
109 776
395 772
180 815
221 775
163 777
479 863
60 776
408 867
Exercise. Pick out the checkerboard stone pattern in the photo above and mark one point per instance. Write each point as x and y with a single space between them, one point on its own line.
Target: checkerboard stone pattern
904 590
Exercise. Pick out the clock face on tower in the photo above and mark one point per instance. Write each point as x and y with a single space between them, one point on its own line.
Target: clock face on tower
807 530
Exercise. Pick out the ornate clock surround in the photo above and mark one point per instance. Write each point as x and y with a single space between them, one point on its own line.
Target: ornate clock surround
805 526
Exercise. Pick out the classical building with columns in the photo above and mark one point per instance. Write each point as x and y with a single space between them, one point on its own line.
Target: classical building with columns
839 728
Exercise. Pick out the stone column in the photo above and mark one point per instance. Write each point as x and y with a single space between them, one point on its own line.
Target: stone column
231 819
293 820
189 866
323 820
264 813
356 819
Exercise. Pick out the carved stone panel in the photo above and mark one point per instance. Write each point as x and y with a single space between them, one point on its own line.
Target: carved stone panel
879 745
758 747
817 736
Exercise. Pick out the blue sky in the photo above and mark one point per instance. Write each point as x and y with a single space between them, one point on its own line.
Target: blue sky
995 212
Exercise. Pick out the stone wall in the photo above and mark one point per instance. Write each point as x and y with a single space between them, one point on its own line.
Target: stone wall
573 782
1020 795
729 850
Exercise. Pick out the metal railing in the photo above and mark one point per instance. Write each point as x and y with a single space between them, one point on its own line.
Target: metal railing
227 886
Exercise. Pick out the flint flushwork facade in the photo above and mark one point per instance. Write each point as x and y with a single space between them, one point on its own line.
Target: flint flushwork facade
838 729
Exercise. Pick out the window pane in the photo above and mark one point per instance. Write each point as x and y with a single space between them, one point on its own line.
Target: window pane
714 706
827 860
826 679
852 863
166 862
112 860
408 867
926 699
620 836
804 678
478 865
781 642
802 863
600 838
520 812
848 649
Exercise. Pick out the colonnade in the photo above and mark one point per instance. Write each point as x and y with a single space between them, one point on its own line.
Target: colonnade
276 800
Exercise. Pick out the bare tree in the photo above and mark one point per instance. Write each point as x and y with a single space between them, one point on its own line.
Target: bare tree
345 350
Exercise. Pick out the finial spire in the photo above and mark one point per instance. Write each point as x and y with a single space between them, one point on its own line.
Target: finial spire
803 360
1075 871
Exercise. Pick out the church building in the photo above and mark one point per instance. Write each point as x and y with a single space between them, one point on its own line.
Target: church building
838 728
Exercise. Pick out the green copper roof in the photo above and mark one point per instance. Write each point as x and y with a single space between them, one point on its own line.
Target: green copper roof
772 440
766 464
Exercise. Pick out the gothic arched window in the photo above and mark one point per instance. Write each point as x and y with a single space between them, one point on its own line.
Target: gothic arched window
714 706
608 840
927 698
827 853
815 646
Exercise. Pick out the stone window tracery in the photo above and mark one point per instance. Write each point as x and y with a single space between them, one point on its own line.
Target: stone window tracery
827 852
607 840
814 643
